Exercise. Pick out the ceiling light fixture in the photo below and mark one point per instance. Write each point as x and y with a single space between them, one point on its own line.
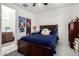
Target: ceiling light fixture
34 4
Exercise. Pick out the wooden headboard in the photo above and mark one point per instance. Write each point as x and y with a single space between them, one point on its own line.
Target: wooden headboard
50 27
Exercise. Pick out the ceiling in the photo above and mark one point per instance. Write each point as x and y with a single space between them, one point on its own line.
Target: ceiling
42 8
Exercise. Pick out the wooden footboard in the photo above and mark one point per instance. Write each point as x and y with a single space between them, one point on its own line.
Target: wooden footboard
31 49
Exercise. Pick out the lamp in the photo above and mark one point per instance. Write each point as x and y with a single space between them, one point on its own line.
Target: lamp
34 28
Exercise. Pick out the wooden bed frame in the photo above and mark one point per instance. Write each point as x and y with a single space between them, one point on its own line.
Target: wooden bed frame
32 49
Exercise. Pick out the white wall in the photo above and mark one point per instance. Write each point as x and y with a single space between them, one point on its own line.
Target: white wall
0 30
62 17
18 35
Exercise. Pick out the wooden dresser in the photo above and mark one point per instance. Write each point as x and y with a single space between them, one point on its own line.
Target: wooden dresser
73 32
7 37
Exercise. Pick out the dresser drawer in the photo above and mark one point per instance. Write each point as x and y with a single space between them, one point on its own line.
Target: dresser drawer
7 37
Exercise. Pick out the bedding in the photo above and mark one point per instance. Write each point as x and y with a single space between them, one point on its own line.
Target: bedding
55 31
45 31
46 40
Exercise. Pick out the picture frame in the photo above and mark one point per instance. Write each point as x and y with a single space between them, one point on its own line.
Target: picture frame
21 24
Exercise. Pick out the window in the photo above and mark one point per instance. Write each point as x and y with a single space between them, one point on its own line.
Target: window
8 19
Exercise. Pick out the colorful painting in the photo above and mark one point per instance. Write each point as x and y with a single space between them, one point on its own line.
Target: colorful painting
28 26
21 24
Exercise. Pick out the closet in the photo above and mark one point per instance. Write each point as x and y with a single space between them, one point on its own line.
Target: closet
73 29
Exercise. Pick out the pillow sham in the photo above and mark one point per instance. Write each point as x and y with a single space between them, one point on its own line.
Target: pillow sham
45 31
40 31
35 33
53 31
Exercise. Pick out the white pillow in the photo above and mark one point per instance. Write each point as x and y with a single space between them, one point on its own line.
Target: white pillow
45 31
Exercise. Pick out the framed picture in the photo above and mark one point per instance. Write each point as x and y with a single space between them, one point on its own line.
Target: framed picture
21 24
28 26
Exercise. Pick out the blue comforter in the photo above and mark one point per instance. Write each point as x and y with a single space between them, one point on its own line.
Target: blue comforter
47 40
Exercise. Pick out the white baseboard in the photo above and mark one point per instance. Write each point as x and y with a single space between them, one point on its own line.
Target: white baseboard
8 49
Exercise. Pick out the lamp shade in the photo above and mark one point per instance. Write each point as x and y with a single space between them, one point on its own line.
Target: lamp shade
34 27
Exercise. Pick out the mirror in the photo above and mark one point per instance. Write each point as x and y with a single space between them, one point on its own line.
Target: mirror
8 24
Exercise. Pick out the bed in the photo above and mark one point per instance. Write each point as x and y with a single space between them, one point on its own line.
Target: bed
37 44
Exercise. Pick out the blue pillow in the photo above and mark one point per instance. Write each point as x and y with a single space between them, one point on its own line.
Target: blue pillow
53 31
35 33
40 31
